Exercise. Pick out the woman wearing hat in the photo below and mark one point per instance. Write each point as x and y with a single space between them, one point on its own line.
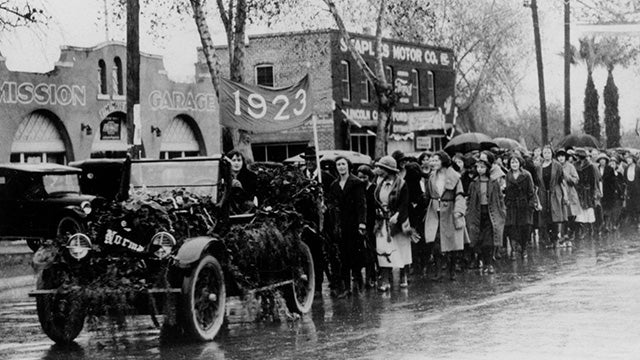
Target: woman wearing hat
610 185
569 181
444 222
588 192
632 180
393 242
485 214
519 198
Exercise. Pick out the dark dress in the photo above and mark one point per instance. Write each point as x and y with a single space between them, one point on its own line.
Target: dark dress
633 190
352 207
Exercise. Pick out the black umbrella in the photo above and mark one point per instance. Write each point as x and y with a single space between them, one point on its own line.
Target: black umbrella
508 144
579 140
465 143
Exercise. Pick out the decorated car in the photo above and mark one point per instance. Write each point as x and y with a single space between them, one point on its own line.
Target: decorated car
166 245
42 201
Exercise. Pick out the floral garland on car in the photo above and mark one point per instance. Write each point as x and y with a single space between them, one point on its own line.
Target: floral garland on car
264 250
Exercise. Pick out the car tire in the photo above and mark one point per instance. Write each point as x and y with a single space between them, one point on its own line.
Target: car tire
68 226
299 296
203 300
61 315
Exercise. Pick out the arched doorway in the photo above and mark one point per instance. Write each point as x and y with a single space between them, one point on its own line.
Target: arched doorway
41 137
111 139
182 138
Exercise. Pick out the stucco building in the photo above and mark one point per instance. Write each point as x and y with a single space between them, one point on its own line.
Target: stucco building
78 109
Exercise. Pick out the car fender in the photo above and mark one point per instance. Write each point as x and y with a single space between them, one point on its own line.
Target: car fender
193 249
74 210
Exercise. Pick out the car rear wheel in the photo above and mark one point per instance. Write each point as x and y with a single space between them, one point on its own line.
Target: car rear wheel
61 315
299 296
204 299
68 226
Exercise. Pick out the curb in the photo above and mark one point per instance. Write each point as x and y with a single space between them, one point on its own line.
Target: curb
17 282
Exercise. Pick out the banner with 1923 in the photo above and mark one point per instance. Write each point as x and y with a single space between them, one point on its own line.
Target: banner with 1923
259 109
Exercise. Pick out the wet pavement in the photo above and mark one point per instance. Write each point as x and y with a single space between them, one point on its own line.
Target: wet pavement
580 303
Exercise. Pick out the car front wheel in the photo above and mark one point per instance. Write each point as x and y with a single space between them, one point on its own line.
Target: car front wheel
61 315
204 298
68 226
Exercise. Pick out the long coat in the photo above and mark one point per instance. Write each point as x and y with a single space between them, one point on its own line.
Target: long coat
452 201
393 246
352 206
519 199
610 188
570 180
633 189
552 201
497 211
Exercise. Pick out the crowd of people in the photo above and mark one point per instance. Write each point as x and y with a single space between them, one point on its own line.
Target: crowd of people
435 215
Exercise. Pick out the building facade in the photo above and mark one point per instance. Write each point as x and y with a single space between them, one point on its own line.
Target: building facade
78 109
345 103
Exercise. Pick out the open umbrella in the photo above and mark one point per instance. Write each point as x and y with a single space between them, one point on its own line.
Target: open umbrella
579 140
465 143
508 144
356 158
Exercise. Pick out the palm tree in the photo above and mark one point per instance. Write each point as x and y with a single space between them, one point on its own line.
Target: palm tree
615 52
591 55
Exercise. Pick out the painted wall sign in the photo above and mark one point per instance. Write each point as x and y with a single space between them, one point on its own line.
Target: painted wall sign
12 92
403 86
362 114
176 100
423 142
400 52
110 128
114 106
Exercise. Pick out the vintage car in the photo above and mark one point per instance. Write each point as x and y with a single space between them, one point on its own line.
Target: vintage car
162 231
42 201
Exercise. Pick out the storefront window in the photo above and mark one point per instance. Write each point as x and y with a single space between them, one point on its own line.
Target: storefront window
277 152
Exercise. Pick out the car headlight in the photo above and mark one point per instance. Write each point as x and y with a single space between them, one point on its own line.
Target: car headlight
78 245
164 242
86 207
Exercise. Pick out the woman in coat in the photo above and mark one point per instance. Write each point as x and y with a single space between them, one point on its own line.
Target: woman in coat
393 242
243 184
417 208
588 192
570 179
553 214
365 174
485 214
444 221
632 182
349 195
520 202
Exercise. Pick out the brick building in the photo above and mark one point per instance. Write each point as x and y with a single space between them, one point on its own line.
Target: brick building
345 102
78 109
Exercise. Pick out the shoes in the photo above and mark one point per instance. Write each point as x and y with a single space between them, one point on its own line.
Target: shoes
491 270
384 287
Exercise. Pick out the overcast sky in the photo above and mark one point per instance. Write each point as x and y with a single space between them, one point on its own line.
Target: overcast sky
74 22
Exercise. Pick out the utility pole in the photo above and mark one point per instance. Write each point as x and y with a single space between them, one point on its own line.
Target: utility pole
543 102
133 71
567 68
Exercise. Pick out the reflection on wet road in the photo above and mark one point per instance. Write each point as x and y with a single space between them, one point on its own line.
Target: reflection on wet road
579 303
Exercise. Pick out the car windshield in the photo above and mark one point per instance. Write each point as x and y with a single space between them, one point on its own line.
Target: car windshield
198 177
54 183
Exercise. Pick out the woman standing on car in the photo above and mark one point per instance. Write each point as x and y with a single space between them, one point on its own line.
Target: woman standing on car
243 183
348 193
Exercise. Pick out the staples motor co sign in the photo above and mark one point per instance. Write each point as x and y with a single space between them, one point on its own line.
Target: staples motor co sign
400 52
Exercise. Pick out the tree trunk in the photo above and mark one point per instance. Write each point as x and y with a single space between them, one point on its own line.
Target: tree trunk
543 104
133 70
611 115
567 67
207 44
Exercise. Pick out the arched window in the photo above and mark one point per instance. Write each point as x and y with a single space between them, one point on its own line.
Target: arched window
116 77
415 87
388 73
102 69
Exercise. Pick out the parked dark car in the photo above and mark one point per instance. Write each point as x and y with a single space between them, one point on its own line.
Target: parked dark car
160 226
42 201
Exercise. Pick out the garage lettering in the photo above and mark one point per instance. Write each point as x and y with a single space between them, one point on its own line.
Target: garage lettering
176 100
12 92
